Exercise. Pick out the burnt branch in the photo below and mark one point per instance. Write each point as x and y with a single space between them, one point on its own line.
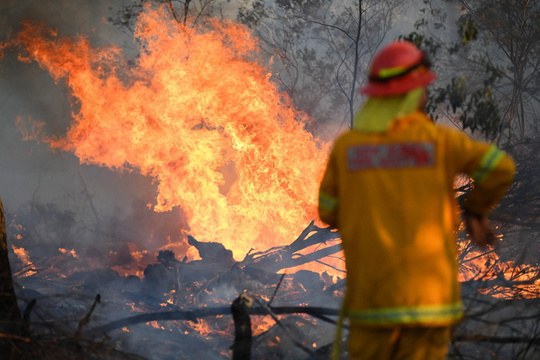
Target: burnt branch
282 257
86 319
194 314
277 288
285 329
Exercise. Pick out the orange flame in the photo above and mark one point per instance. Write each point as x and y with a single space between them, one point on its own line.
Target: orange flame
68 252
24 257
201 117
516 281
201 326
261 324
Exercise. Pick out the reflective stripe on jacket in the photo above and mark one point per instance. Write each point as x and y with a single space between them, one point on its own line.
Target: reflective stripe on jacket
391 196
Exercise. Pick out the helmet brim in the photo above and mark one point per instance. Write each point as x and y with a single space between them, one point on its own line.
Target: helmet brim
399 86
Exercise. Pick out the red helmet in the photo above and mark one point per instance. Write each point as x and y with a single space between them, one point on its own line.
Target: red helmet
397 69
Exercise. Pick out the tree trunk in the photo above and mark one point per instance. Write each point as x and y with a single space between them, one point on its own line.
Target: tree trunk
10 316
242 328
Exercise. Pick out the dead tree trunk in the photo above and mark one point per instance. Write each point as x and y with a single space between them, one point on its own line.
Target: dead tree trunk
242 328
11 328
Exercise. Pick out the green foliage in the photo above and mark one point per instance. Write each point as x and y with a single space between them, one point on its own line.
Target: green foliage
505 34
477 108
427 44
470 97
467 29
252 16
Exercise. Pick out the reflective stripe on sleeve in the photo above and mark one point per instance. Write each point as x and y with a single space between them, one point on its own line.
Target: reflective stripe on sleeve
408 315
488 163
327 202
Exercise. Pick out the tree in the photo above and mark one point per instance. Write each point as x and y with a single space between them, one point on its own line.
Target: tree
464 96
11 328
322 49
508 33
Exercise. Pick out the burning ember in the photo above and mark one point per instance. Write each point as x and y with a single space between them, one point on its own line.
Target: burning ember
198 113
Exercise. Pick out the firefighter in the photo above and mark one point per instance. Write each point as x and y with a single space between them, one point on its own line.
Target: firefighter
389 190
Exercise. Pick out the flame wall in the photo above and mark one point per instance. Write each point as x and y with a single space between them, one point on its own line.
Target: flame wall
198 115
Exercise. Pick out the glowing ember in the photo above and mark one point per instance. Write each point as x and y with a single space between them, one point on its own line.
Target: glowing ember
68 252
261 324
156 325
196 113
201 326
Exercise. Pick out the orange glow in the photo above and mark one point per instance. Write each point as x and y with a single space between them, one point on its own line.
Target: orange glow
68 252
201 326
198 113
523 280
138 255
261 324
133 307
22 254
155 324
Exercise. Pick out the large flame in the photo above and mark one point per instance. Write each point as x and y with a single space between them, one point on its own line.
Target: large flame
198 114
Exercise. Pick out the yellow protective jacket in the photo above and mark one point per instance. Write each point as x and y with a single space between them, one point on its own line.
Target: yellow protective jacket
391 197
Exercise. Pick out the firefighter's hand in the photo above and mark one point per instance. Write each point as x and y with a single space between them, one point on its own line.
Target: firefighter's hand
479 230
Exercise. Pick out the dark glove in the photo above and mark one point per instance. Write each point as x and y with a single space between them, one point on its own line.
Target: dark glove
479 230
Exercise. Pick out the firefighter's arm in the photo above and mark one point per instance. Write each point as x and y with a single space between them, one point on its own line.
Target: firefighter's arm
328 193
492 172
492 176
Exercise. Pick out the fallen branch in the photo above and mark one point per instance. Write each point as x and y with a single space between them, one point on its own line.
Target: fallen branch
193 315
282 257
